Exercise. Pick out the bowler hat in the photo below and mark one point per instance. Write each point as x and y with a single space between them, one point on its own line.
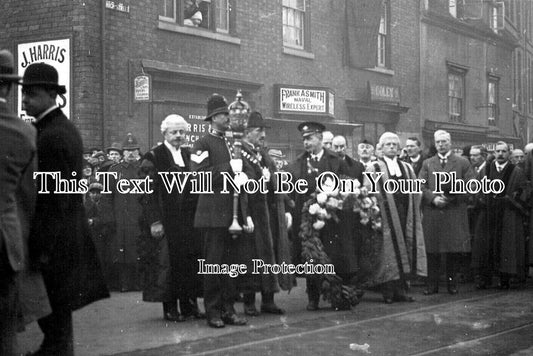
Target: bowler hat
309 128
216 104
256 120
130 143
115 146
7 65
44 75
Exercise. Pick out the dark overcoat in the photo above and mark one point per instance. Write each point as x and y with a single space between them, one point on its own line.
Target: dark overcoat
445 229
170 263
126 213
499 238
339 246
60 239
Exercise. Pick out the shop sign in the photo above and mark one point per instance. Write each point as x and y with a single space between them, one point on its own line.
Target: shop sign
196 128
117 6
142 88
304 100
56 53
384 93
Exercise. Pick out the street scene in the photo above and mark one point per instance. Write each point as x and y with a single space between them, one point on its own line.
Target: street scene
223 177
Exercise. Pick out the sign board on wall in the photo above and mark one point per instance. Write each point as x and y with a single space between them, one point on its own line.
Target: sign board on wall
304 100
56 53
196 128
384 93
142 88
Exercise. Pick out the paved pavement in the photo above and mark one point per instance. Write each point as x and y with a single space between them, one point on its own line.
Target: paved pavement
490 322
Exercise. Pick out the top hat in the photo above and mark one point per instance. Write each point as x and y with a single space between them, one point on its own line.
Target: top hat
216 104
130 143
256 120
7 65
44 75
115 146
309 128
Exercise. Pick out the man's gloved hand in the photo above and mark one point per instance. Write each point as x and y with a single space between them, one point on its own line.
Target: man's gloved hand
156 229
236 165
288 220
249 227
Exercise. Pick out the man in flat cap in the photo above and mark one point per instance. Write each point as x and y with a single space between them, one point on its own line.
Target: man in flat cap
266 242
17 202
173 271
308 165
445 221
214 214
60 238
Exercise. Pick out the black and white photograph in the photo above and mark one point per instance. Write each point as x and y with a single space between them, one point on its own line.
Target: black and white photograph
266 177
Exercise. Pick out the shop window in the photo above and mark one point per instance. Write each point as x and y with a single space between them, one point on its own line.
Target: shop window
493 100
214 15
294 19
384 37
456 94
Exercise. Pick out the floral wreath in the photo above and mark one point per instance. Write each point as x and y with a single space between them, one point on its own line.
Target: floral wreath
321 207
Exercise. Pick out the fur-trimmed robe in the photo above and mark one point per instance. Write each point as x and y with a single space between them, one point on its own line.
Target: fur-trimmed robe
396 252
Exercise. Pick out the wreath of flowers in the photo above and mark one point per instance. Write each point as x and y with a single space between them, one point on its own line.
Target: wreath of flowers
321 207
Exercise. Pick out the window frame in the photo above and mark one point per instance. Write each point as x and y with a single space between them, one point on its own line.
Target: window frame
166 18
493 107
461 74
178 19
305 23
384 39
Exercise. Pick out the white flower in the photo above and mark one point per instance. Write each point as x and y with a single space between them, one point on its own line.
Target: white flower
356 183
357 191
319 224
322 213
314 209
332 203
321 198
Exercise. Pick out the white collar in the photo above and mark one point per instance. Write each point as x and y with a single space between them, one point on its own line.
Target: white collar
414 160
318 156
176 154
46 112
392 165
446 156
170 147
501 166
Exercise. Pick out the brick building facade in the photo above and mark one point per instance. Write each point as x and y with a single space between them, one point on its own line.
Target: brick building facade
268 49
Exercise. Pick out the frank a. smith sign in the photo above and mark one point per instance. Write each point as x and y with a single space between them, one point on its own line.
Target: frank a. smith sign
304 100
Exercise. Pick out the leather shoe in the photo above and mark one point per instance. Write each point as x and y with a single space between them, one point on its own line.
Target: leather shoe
250 310
233 319
388 300
194 315
176 317
312 305
271 309
216 323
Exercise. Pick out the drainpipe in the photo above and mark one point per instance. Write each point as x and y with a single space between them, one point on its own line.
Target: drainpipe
103 70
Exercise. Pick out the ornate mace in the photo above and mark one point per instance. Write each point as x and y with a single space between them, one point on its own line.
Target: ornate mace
239 111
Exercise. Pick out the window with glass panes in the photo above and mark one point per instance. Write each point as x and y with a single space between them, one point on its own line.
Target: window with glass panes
222 15
293 23
456 96
167 9
493 107
383 36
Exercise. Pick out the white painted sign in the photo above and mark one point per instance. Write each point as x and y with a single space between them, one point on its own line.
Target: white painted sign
56 53
302 100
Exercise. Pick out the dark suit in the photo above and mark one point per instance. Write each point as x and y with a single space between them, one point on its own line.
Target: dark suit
60 237
214 216
174 276
340 248
417 166
455 237
17 153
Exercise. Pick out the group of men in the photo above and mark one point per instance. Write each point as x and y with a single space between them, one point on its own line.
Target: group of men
49 236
